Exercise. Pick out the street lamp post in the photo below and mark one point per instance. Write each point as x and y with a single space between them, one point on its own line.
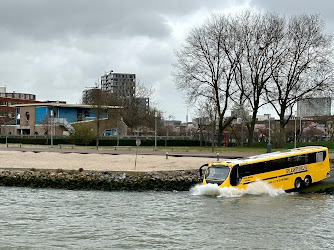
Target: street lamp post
268 145
295 138
187 124
51 115
6 136
166 133
155 132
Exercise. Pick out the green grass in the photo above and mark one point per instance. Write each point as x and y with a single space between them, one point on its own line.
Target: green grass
320 187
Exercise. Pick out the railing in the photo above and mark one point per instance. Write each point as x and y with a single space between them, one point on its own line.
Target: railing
63 122
103 137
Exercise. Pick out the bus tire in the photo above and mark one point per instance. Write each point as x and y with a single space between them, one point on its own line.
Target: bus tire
307 181
298 183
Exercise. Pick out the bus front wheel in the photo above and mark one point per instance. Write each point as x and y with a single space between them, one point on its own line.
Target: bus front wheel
298 183
307 181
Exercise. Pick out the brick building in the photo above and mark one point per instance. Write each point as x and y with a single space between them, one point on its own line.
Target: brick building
7 113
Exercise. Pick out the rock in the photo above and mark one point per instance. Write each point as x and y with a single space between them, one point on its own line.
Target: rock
136 181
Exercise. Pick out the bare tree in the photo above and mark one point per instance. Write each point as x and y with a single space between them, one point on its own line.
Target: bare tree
98 98
261 36
305 67
207 111
252 60
205 69
46 124
241 112
138 109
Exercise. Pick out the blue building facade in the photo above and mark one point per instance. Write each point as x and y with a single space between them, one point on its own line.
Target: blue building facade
71 114
39 118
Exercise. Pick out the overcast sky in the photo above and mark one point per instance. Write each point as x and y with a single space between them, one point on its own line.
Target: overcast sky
55 49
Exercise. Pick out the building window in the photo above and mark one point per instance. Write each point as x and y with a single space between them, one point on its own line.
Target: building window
3 103
27 116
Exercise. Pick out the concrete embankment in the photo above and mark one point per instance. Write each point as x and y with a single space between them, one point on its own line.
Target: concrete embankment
181 180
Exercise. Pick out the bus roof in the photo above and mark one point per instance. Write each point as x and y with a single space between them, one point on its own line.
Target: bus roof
276 155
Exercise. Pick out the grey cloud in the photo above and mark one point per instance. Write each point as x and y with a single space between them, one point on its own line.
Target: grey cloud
50 19
40 19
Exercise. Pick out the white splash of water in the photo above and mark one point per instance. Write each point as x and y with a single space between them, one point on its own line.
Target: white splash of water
261 187
255 188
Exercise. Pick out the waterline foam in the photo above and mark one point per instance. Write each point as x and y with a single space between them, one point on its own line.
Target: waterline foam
255 188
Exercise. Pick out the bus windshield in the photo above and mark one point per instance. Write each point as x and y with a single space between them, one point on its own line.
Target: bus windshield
217 172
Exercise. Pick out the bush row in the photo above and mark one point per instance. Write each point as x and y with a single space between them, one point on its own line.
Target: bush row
147 142
102 142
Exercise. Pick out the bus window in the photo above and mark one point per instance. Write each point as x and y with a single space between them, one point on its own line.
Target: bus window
320 156
217 172
302 159
279 164
235 176
244 170
291 161
312 158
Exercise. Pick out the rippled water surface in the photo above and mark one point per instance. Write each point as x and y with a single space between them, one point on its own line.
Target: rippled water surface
204 218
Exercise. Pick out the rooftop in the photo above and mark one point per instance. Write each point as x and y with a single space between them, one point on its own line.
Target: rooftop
65 105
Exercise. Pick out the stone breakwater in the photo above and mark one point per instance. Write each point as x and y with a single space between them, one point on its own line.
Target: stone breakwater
180 180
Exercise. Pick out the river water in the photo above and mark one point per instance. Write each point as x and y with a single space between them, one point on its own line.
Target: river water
206 217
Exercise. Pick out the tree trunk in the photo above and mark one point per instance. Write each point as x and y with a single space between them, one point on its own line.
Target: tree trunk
213 137
220 132
251 129
97 133
251 133
282 134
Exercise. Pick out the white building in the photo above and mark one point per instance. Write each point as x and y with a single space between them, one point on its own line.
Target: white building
314 107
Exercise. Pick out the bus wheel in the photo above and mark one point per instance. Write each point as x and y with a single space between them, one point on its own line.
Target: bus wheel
298 183
307 181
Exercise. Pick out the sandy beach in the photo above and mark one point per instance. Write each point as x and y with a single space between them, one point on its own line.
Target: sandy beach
97 162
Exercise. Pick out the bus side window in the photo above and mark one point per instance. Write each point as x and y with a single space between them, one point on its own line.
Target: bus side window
320 156
303 159
245 170
235 178
292 161
312 158
274 165
281 164
260 167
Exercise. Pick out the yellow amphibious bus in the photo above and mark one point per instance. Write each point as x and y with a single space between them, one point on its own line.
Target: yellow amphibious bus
288 169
